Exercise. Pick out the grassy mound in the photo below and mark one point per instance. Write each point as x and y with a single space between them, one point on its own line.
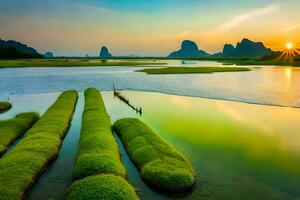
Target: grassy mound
98 154
5 106
161 166
11 129
98 151
105 187
192 70
22 166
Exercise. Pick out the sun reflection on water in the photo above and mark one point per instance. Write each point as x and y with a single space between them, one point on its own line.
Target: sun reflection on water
288 73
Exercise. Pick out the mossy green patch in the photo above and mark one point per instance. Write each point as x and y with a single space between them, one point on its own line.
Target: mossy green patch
105 187
98 170
98 151
161 165
192 70
22 166
11 129
5 106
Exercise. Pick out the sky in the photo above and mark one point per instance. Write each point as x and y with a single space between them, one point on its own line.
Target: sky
147 28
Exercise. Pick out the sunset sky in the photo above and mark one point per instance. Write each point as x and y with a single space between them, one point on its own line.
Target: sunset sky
153 27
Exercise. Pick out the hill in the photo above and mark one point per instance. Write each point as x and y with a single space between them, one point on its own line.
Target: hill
104 53
246 48
189 49
12 49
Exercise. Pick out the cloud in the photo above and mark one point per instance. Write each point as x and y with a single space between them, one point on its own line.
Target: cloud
291 28
184 33
237 20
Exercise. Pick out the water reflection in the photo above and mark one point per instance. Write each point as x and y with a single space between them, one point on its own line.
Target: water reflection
239 151
288 74
242 151
263 85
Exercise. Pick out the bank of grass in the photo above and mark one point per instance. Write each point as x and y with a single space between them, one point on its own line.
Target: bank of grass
98 152
192 70
22 166
160 165
73 63
261 62
12 129
99 172
5 106
104 187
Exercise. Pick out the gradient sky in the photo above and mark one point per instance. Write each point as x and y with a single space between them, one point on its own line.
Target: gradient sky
152 27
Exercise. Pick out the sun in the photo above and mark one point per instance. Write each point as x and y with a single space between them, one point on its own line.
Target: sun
289 53
289 46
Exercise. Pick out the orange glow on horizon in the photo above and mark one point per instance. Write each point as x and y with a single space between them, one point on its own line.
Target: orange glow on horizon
289 53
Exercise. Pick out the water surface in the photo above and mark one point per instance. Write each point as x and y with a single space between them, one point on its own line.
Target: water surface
264 85
239 150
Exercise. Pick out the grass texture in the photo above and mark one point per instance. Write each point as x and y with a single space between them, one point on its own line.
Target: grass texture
104 187
72 63
192 70
22 166
261 62
4 107
12 129
98 170
161 165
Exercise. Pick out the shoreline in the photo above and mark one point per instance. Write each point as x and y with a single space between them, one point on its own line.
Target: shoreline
173 94
154 61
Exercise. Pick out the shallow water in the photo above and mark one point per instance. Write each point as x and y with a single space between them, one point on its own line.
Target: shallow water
266 85
239 151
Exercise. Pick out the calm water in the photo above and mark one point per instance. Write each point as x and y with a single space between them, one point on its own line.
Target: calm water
266 85
239 151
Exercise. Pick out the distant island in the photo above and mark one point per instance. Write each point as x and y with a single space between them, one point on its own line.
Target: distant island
48 55
246 48
189 49
104 53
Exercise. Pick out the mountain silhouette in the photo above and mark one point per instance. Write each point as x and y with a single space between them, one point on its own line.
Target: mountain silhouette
189 49
48 55
246 48
15 49
104 53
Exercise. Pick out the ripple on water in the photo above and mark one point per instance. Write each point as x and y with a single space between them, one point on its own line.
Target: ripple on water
268 85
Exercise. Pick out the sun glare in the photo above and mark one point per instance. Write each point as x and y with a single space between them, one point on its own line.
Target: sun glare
289 45
289 53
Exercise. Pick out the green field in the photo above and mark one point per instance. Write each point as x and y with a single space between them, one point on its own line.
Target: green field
4 107
74 63
22 166
192 70
161 165
11 129
261 62
99 172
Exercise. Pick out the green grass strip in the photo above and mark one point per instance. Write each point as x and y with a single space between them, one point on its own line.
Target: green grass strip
12 129
98 151
161 165
98 169
22 166
192 70
261 63
4 107
73 63
104 187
